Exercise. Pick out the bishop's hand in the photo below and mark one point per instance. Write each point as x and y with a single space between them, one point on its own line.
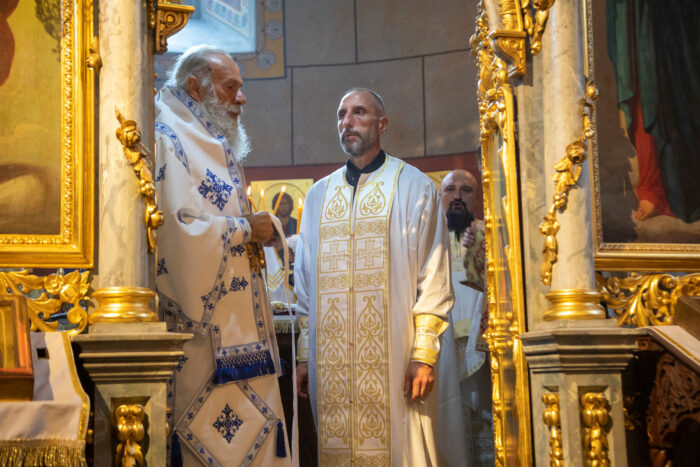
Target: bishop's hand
262 229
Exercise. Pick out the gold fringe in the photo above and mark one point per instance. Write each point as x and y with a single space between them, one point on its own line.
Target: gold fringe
42 453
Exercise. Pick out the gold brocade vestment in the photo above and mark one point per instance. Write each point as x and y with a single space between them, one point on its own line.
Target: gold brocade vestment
353 317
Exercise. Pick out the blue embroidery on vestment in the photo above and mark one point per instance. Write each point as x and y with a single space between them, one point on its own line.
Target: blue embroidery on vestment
238 283
179 150
181 363
227 423
161 173
237 250
160 268
215 132
215 190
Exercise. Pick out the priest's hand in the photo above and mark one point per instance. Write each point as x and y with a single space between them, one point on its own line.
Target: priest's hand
468 237
261 228
419 381
303 379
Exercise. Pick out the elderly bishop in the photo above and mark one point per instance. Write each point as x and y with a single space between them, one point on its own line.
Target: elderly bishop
225 396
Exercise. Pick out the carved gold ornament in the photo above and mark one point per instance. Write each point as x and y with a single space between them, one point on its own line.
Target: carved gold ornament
517 24
130 431
595 417
568 170
166 19
93 60
57 290
511 418
137 155
552 418
646 300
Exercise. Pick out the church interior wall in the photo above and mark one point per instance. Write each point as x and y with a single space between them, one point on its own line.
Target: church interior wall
419 62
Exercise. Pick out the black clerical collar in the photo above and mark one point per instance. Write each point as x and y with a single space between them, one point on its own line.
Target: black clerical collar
352 173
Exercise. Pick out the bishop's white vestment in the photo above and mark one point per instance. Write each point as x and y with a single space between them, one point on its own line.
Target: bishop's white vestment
372 273
225 396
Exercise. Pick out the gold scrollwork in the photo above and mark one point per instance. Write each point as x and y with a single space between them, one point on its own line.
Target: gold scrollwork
167 19
130 430
595 417
568 170
93 60
517 25
646 300
58 290
496 112
552 418
137 155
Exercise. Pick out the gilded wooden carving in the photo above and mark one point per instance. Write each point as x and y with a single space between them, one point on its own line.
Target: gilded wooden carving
595 418
568 170
646 299
511 413
137 155
552 418
58 291
130 431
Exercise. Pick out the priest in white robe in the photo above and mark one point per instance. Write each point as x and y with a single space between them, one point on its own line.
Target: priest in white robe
225 397
465 402
372 274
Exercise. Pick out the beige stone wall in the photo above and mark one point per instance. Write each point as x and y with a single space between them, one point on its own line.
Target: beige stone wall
414 53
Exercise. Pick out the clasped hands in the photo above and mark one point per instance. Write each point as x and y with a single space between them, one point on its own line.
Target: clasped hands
418 381
262 230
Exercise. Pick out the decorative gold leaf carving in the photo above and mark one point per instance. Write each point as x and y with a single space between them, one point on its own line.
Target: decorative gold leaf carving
137 155
646 300
568 170
595 417
168 19
552 418
93 60
130 430
57 290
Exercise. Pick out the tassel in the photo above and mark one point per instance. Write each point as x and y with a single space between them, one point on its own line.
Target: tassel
175 452
225 373
281 450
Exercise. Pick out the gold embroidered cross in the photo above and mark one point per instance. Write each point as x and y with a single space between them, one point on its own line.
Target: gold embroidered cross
332 256
368 253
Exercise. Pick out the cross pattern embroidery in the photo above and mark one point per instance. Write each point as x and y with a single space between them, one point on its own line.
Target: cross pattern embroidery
161 173
238 284
161 269
332 256
227 423
215 190
369 253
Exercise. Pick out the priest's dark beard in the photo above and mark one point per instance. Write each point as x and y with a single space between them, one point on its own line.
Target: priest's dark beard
458 220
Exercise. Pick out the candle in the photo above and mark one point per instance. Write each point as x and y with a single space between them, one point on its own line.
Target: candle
250 199
262 199
300 208
279 198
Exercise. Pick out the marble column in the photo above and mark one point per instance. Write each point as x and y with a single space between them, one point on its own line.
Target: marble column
126 83
573 277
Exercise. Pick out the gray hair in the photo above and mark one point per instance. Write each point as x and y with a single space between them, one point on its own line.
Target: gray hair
194 62
378 101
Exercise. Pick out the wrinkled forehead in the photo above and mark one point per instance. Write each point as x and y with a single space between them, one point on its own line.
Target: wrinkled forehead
224 68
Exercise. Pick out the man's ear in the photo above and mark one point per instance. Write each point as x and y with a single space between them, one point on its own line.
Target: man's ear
193 88
383 123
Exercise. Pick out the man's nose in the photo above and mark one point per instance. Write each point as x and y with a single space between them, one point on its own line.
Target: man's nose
240 98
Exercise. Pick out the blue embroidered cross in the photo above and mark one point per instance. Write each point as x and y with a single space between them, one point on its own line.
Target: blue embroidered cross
227 423
237 250
238 284
160 268
215 190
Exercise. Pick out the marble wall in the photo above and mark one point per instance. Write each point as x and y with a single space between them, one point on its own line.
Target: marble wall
415 54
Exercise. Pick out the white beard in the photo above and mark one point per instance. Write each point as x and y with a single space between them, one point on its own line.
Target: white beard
233 130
